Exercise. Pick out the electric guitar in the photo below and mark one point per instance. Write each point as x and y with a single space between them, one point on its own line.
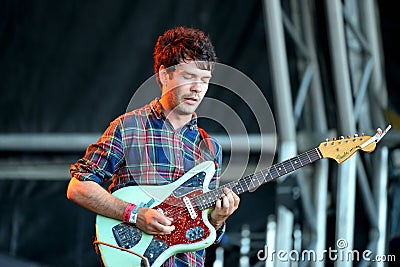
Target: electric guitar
189 201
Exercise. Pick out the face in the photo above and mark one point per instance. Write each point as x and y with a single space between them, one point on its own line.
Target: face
184 88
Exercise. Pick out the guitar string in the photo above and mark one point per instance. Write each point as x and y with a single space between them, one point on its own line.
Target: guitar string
267 175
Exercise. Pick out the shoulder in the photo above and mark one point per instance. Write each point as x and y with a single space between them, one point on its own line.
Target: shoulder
211 141
132 118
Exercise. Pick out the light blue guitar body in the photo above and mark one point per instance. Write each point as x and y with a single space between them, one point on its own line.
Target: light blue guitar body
190 233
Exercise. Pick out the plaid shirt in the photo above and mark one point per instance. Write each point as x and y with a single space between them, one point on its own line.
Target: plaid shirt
142 147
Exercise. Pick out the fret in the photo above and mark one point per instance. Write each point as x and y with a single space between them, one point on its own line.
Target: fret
313 155
274 172
268 176
211 197
243 184
237 188
246 182
308 156
264 176
239 184
257 180
282 165
305 160
291 164
297 163
252 179
201 201
234 186
288 166
316 154
280 170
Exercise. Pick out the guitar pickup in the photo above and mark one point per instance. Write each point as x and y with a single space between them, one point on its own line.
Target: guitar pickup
190 208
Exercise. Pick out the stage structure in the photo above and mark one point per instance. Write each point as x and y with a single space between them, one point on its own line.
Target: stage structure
358 103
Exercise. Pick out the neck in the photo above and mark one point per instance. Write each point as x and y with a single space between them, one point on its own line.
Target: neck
177 120
253 181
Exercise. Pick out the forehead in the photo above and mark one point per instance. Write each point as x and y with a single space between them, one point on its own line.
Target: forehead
192 68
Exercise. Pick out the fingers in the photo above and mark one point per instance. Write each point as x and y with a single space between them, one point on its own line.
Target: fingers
160 229
236 200
230 201
150 214
153 222
225 206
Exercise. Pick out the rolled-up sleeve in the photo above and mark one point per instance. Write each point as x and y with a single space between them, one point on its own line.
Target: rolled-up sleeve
102 159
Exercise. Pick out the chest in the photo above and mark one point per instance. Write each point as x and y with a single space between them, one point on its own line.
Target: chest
162 148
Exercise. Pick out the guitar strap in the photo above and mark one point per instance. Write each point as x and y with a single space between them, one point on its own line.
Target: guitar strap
204 136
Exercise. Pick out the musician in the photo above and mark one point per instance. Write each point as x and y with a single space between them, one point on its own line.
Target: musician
157 144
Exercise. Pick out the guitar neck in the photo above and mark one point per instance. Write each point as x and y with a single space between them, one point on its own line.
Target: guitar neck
253 181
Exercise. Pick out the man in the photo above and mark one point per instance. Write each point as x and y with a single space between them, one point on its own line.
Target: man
157 144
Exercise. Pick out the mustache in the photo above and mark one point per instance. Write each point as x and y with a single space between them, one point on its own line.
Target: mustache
191 96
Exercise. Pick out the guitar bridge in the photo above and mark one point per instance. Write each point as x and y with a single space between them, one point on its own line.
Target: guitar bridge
154 250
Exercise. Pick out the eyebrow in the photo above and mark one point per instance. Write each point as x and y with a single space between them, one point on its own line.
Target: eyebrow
191 73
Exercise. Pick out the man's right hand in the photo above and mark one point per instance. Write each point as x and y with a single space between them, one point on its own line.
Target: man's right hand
153 222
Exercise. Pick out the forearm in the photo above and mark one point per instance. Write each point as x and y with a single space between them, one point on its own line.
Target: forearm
92 196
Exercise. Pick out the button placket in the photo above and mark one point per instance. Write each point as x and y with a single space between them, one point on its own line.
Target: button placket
178 150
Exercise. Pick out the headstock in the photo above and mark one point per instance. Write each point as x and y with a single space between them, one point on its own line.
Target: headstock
343 148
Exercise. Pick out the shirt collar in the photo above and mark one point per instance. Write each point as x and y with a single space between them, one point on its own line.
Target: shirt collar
159 113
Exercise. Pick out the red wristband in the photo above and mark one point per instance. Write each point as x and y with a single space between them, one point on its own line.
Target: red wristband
127 212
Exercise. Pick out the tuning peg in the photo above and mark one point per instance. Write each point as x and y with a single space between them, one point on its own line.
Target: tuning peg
333 141
342 137
326 141
348 137
355 135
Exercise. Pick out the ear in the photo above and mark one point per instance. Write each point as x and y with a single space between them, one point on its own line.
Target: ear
162 75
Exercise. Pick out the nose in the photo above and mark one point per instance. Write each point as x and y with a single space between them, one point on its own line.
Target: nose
198 86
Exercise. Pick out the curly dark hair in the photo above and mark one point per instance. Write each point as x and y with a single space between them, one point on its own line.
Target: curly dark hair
184 44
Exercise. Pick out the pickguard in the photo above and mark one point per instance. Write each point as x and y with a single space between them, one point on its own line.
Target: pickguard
175 208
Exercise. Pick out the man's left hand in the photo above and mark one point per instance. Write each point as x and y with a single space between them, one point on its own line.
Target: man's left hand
224 207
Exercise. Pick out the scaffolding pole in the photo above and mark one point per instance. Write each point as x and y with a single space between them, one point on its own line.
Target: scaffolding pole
284 110
346 186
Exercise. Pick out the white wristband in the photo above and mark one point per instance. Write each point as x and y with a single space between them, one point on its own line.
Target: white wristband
133 217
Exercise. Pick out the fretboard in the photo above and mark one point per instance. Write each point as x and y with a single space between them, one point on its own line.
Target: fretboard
253 181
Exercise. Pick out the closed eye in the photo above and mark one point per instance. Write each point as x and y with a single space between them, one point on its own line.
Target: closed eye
192 76
188 76
206 79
